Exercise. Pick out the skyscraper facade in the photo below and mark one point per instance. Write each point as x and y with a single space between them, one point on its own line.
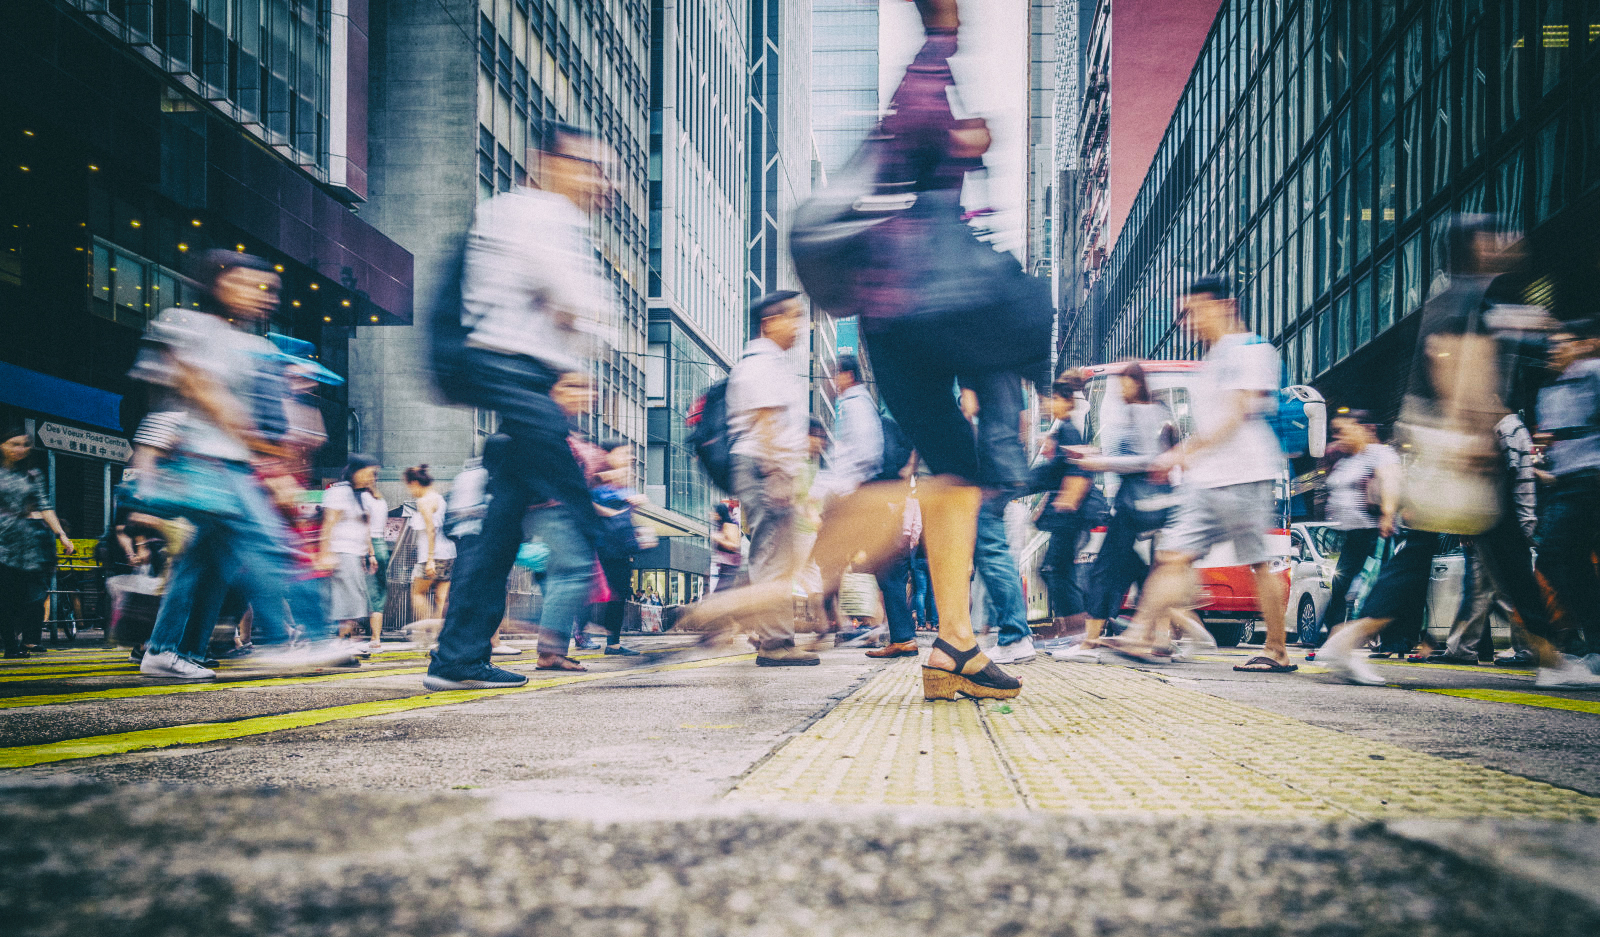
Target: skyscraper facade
458 84
844 78
698 196
1317 155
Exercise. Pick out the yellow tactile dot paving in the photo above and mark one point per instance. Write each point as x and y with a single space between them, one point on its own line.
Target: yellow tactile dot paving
886 745
1112 739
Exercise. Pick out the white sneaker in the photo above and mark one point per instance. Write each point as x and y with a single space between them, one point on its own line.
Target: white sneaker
1349 667
1077 653
1573 674
169 664
1019 653
505 650
318 654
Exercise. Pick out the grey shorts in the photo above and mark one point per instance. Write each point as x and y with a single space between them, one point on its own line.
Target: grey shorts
347 588
1240 514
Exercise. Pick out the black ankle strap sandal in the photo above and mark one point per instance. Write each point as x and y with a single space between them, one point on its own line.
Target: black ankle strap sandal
988 683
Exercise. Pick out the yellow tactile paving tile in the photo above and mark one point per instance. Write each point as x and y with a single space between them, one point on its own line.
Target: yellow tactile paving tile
1112 739
885 745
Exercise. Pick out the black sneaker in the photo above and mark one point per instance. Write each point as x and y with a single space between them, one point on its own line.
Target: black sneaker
617 649
242 651
483 677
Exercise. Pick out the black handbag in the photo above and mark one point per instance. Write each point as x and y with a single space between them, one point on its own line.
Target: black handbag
1148 504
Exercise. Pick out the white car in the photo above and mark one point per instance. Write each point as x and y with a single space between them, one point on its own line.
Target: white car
1313 553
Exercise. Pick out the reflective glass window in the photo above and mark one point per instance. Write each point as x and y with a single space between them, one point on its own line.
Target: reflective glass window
1361 312
1386 296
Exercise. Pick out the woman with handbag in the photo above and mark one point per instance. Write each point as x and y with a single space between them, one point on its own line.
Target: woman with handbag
29 532
1134 436
1070 507
1455 480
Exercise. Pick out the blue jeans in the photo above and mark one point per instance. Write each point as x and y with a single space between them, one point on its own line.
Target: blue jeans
992 560
892 583
922 593
568 580
249 549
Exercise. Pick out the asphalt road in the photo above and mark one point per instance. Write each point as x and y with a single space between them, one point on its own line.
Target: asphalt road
618 802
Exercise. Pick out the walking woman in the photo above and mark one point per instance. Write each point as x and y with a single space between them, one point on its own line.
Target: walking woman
208 365
1363 499
346 548
436 553
29 532
1064 515
1132 437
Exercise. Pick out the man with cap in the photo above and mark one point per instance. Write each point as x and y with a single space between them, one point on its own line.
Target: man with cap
767 417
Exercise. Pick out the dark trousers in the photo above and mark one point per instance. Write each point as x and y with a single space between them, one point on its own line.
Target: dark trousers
892 583
1358 546
1401 592
1569 537
535 466
619 575
1066 596
1116 567
21 607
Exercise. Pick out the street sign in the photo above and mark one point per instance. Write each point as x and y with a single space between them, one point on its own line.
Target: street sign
74 441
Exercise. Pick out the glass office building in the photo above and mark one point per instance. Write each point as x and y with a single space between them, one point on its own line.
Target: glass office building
1317 154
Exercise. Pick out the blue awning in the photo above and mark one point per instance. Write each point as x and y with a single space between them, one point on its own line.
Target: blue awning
57 397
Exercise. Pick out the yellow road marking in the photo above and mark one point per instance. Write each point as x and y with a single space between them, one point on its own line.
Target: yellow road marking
197 733
1523 699
131 692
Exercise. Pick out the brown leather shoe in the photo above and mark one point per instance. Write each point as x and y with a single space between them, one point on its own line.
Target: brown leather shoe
901 649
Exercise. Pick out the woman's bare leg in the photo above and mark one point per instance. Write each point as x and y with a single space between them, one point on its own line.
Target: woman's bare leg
950 526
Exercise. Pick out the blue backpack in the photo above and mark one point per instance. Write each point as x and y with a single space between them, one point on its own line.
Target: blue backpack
1300 417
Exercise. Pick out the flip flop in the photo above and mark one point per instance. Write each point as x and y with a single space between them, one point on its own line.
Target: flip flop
1261 664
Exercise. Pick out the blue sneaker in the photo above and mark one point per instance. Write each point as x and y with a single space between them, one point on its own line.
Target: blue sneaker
482 677
619 650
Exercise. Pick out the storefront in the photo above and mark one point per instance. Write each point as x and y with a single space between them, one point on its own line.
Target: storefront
76 431
675 569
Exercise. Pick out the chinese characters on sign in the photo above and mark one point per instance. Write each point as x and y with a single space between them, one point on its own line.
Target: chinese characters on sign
82 442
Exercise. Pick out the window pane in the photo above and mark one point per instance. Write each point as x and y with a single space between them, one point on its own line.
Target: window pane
1362 312
1386 188
1362 212
128 280
1386 295
1410 277
100 284
1342 325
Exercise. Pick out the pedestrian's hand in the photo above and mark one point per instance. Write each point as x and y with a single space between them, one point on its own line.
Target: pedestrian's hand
372 563
68 545
326 560
1386 526
1167 461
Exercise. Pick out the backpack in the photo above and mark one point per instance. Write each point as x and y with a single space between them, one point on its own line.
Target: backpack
447 335
710 437
1299 416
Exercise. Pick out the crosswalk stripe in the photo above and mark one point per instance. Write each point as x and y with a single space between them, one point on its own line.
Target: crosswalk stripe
1522 699
197 733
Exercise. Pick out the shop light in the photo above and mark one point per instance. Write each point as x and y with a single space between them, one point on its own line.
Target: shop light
23 168
27 133
134 222
374 318
345 303
195 222
327 318
239 248
93 168
315 286
182 246
295 303
278 267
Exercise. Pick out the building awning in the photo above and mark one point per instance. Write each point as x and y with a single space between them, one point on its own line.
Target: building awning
670 523
58 397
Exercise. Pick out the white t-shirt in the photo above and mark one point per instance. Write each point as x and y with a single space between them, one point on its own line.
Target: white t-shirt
377 512
1238 362
763 378
352 531
432 504
1347 486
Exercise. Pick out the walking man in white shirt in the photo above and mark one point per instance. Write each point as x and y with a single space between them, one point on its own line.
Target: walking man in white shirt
537 307
767 416
1230 465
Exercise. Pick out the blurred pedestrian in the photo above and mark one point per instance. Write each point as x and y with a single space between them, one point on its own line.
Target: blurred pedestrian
346 549
727 542
1456 481
1133 437
228 384
436 553
615 499
767 402
1363 501
1569 532
992 400
537 306
29 532
1230 466
1062 515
